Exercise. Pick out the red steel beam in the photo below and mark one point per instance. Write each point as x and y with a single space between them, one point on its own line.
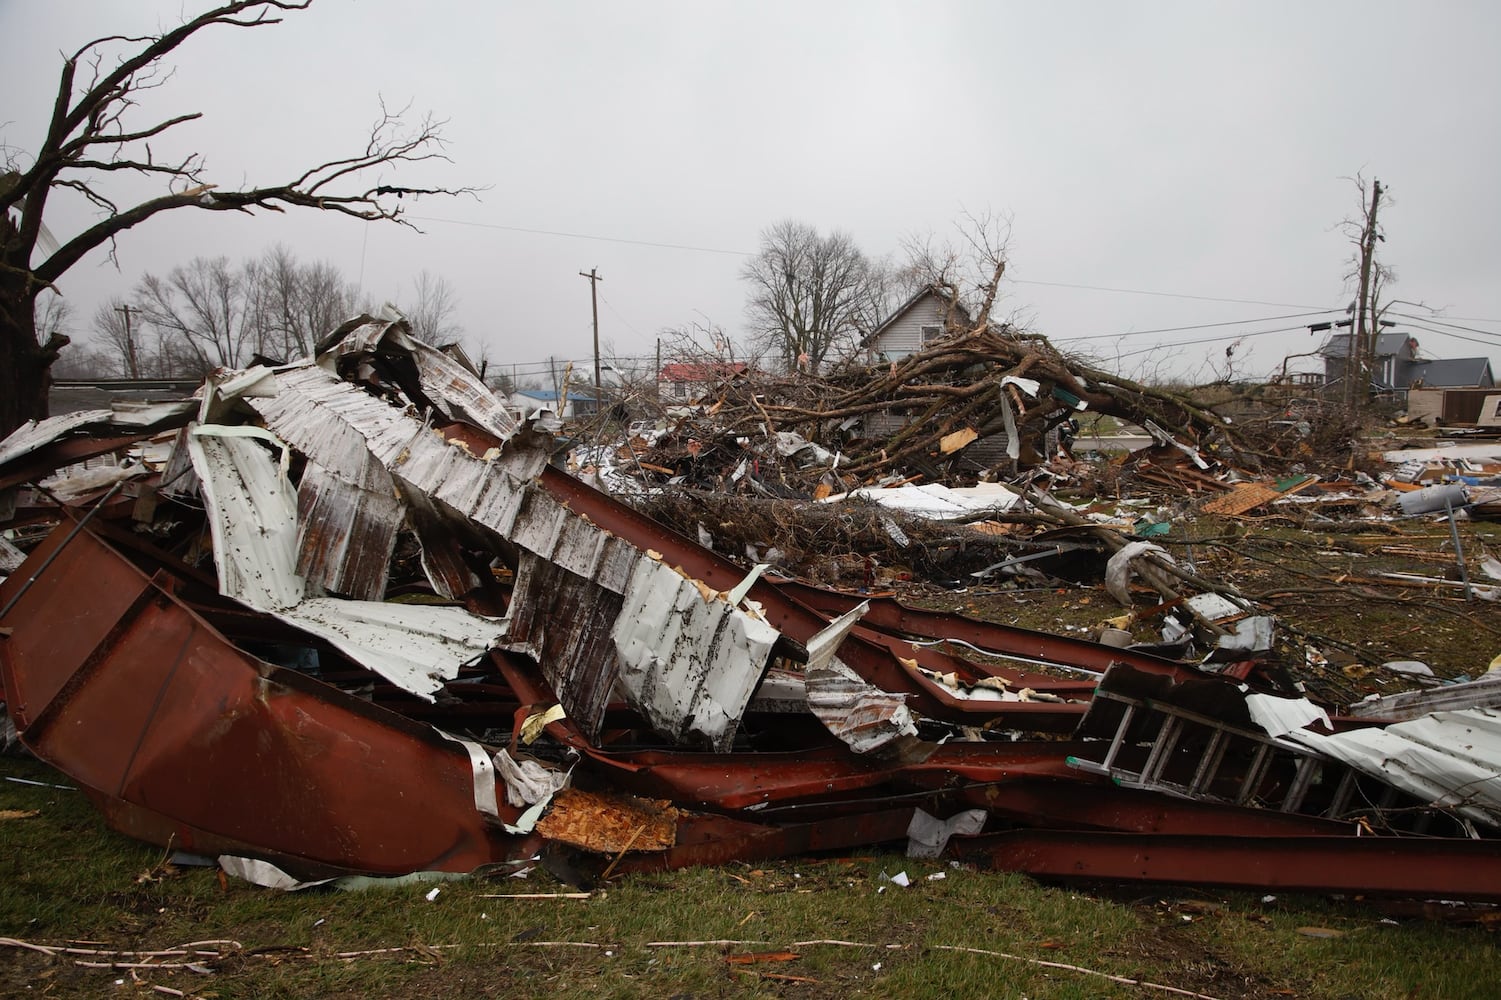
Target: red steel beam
891 616
1376 866
1049 802
123 688
44 461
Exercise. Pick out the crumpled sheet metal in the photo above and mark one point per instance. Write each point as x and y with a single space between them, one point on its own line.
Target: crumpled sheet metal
444 381
862 715
563 621
253 516
1449 759
190 738
865 717
689 660
345 534
691 663
123 417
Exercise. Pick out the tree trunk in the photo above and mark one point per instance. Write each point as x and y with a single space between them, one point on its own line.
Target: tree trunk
25 365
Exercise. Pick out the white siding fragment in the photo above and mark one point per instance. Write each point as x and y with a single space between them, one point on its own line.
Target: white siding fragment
689 664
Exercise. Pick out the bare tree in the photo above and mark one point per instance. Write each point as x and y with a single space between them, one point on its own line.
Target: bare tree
810 295
967 268
92 135
1370 277
206 311
431 309
296 303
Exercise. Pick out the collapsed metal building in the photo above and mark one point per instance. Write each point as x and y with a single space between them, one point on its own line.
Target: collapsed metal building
345 616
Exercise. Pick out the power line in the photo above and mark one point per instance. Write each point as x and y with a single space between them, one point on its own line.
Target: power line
1208 340
1457 336
1200 326
581 236
629 326
1169 295
1439 322
751 253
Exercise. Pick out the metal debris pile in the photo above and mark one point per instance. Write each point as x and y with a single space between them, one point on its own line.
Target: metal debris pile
345 616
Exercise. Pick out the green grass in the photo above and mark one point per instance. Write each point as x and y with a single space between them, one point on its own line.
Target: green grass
67 878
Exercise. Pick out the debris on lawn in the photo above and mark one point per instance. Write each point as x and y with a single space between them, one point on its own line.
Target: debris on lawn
351 616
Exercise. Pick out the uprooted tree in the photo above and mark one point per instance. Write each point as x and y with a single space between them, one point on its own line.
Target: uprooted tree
977 379
93 134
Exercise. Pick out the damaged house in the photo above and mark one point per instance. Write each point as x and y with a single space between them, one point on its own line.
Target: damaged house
1398 366
346 615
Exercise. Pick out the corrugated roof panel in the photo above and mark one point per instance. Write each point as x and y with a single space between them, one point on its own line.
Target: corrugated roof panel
616 561
695 659
687 663
579 546
539 522
327 421
36 434
1450 759
498 508
252 513
563 621
414 646
446 383
345 534
439 534
465 396
860 714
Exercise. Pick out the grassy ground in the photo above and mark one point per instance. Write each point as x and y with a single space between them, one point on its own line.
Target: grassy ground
69 882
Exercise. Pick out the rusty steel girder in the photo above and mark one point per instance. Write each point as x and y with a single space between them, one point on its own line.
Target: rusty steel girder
1418 867
49 458
180 734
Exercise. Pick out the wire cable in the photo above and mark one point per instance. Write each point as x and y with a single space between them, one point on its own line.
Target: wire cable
1206 340
1200 326
1170 295
1438 322
580 236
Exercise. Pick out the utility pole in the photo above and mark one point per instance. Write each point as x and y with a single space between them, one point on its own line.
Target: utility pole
594 280
130 344
1364 337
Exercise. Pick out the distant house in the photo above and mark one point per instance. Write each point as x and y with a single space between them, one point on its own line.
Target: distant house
914 325
1398 367
577 402
686 381
911 327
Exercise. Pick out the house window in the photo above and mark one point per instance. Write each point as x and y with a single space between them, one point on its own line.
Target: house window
930 334
680 390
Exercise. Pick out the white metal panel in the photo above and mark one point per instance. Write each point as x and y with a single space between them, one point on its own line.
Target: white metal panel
1451 759
252 513
416 647
688 662
36 434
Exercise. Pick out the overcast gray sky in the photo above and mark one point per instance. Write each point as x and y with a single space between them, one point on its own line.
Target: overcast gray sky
1197 151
